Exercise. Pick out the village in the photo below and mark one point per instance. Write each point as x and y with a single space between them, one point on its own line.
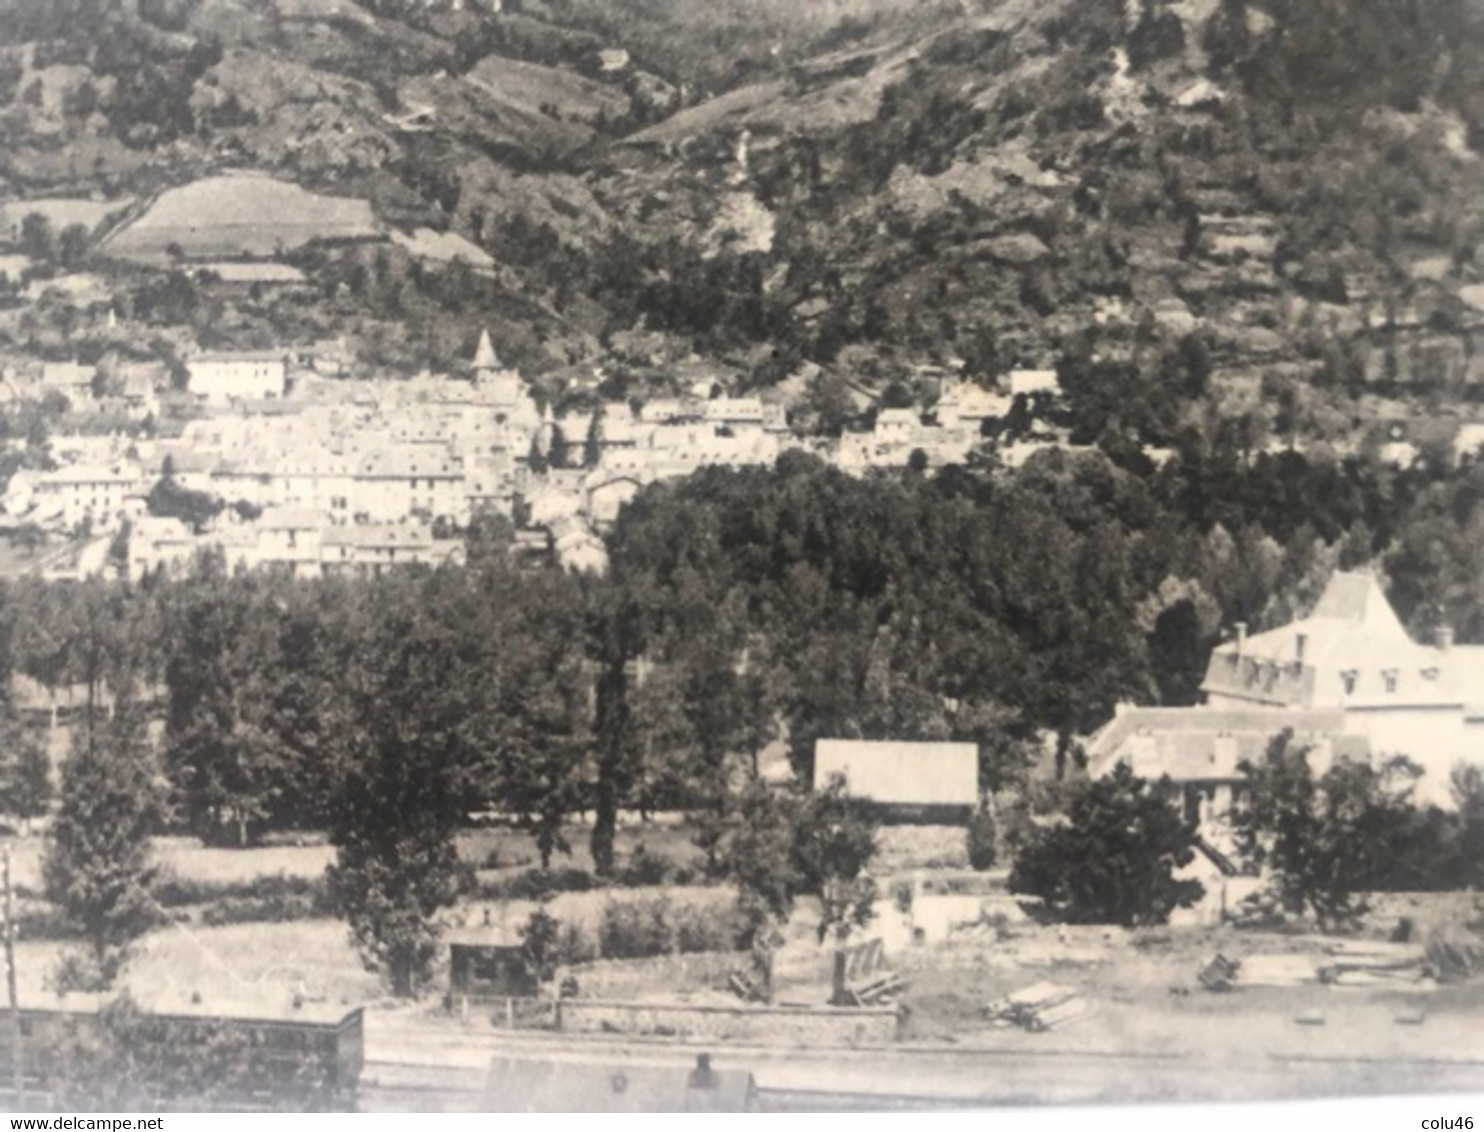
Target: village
314 470
869 555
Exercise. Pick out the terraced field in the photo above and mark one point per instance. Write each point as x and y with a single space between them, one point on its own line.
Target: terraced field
239 214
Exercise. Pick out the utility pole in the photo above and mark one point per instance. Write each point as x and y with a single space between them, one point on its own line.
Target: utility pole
17 1047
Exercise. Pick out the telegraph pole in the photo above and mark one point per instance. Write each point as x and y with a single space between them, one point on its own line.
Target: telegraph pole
17 1047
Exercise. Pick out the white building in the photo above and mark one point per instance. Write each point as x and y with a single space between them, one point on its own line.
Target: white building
92 493
222 376
1351 654
1346 680
394 483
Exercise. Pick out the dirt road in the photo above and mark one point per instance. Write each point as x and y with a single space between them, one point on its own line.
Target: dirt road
415 1068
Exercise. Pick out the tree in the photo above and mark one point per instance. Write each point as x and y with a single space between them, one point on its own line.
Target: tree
168 499
72 246
242 741
97 866
834 841
784 846
540 941
26 788
980 838
592 446
1113 859
38 240
1327 840
404 730
558 455
536 459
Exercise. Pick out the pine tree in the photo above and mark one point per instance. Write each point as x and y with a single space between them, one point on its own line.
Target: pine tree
592 447
97 867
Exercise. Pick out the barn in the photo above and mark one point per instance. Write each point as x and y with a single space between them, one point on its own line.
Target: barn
908 782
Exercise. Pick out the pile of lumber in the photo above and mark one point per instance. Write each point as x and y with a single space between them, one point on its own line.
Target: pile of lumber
1220 973
1454 953
1359 963
1038 1008
1279 970
877 990
746 987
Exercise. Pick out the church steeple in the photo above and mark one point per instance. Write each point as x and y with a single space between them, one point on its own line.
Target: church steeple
484 356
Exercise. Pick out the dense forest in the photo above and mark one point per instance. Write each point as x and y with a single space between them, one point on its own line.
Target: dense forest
741 610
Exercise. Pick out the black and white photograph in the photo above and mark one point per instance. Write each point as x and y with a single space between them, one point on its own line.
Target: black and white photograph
794 556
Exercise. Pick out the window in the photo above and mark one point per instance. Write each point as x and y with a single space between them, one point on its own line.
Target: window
1430 674
1388 679
1347 678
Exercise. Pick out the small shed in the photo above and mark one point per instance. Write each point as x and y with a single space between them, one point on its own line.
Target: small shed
549 1085
904 781
485 966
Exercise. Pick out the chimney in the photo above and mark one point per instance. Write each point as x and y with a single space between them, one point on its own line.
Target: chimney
1241 628
1445 637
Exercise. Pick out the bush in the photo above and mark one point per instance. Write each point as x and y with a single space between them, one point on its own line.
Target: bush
645 869
981 839
636 929
175 892
703 929
531 884
574 946
278 909
1112 861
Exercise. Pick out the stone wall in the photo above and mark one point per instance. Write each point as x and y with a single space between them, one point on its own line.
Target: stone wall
629 978
782 1025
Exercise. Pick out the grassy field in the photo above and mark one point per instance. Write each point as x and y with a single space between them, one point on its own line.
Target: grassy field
253 966
530 86
1142 984
226 216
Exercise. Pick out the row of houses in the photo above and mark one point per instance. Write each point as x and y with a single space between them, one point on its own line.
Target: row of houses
294 540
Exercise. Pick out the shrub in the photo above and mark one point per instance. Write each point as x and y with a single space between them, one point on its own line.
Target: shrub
574 946
636 929
705 929
278 909
1113 860
981 839
175 892
645 869
531 884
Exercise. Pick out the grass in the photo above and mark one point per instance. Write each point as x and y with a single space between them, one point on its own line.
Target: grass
529 86
225 216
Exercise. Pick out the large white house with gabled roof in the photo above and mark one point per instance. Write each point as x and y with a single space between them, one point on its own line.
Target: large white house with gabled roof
1347 680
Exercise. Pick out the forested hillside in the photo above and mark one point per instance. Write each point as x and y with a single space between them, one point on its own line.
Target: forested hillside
868 186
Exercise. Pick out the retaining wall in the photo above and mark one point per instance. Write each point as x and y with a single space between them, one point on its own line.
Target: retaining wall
796 1025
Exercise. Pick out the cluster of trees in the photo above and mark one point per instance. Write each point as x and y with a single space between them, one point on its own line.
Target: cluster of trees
741 609
1326 838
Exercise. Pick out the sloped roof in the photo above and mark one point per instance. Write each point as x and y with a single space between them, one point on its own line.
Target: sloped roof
484 353
1352 638
901 773
1358 597
549 1085
1203 744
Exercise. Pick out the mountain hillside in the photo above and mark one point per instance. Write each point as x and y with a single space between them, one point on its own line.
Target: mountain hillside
1146 193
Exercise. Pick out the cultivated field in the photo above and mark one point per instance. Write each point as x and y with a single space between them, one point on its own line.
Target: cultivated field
239 215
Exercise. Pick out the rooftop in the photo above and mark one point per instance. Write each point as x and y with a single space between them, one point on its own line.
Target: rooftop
901 773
